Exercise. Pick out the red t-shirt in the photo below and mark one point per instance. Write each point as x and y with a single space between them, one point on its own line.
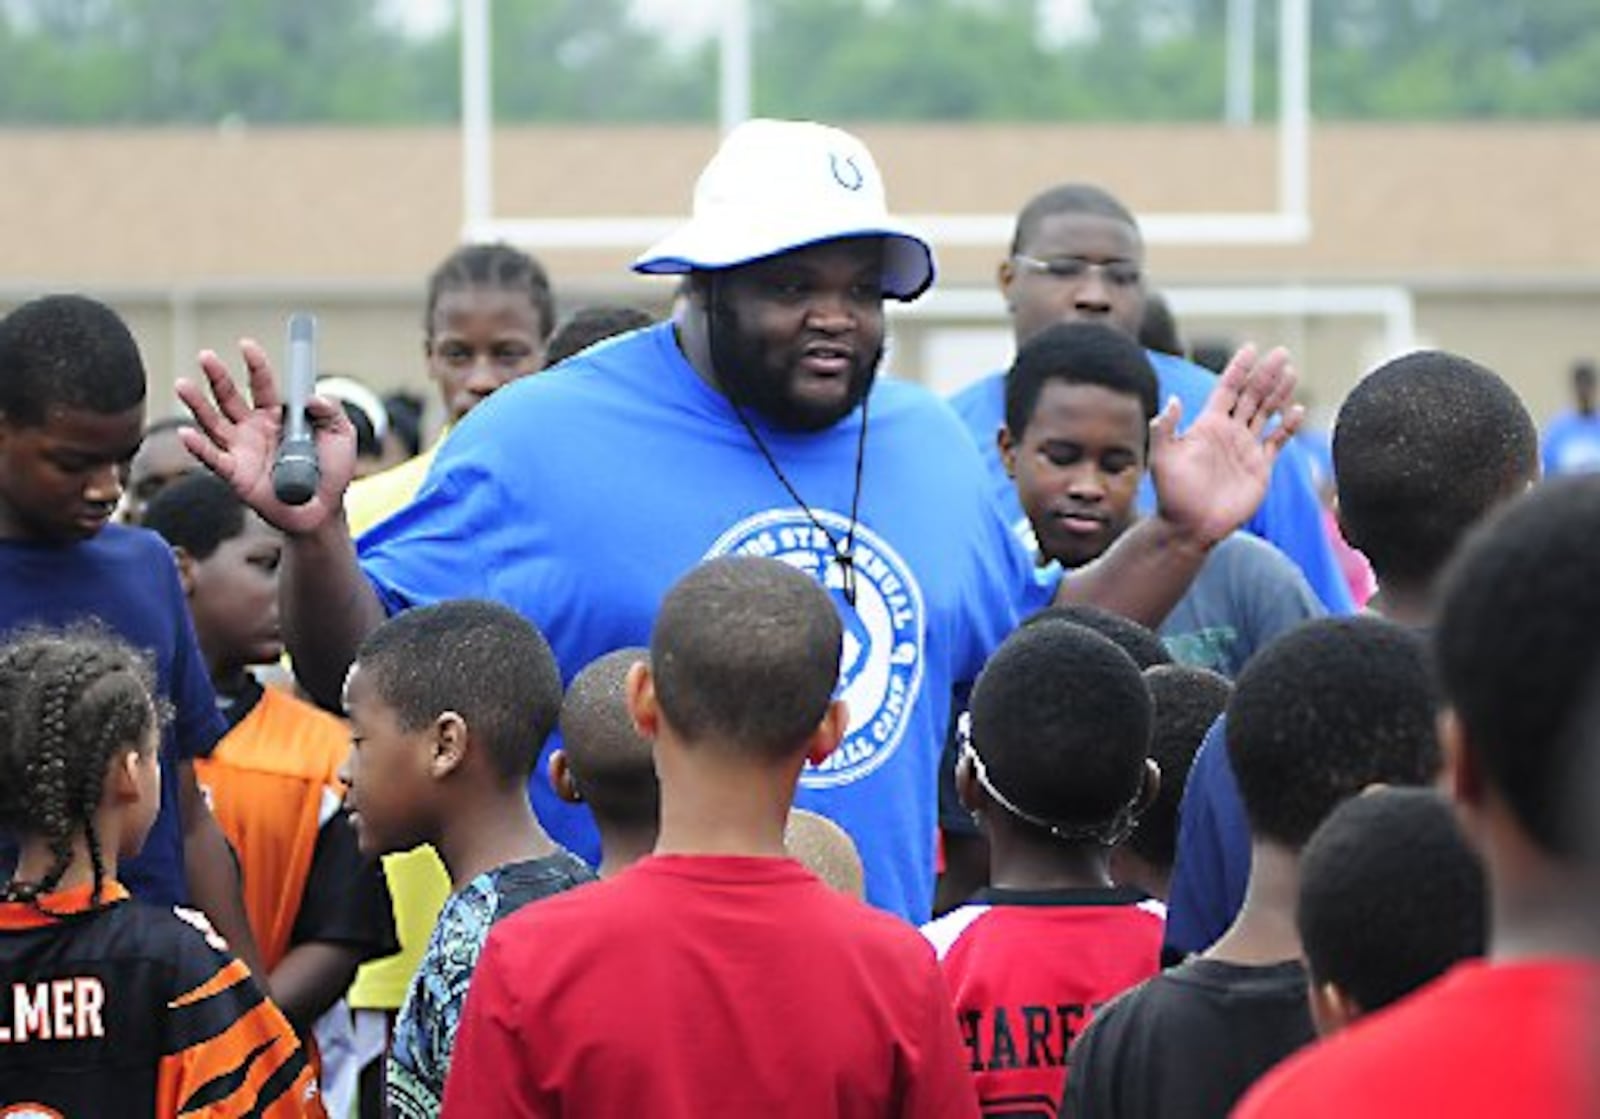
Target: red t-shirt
1028 970
1486 1039
689 986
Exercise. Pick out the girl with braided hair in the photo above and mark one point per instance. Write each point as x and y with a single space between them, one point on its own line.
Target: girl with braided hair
117 1008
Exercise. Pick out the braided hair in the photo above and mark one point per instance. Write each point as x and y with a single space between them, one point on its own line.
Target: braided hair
69 700
498 266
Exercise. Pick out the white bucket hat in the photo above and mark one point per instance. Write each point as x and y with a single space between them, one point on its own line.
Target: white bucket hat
779 185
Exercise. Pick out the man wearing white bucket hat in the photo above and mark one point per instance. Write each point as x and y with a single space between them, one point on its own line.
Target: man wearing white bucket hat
754 423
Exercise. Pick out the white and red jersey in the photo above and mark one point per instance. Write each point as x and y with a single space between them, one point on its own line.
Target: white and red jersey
1028 969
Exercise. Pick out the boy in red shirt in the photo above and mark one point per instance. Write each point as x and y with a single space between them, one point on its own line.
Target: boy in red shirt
1517 645
718 976
1055 768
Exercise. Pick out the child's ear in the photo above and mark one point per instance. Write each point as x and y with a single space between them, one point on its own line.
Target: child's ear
122 782
1331 1009
561 778
1460 779
1149 788
1008 450
643 709
1344 529
829 733
449 744
186 565
968 791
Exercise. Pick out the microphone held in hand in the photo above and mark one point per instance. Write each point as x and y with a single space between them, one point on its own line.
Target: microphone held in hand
295 473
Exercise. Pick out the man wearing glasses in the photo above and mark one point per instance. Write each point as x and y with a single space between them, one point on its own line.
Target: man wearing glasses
1077 255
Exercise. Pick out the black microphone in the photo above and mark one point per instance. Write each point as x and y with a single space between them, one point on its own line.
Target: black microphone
295 472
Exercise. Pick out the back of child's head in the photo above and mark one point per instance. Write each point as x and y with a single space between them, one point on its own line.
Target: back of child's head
69 701
609 761
1327 709
1186 701
826 850
67 351
1518 648
364 409
1060 726
481 660
745 654
1141 644
497 266
588 325
1423 447
197 513
404 409
1077 353
1391 895
1158 328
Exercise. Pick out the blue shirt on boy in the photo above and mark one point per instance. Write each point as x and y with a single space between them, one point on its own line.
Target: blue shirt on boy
1212 867
582 494
124 578
1290 516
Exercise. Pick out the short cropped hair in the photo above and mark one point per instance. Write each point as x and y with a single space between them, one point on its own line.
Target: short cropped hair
1068 198
1518 643
826 850
745 653
1141 644
1061 721
1391 895
1327 709
67 351
196 513
588 325
1423 447
610 762
1078 353
1187 700
479 659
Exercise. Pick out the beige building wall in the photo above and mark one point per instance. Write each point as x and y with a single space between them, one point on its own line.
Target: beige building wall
201 236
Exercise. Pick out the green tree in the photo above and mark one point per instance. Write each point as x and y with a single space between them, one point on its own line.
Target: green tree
292 61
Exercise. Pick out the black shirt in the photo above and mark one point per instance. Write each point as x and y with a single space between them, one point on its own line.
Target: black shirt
1188 1042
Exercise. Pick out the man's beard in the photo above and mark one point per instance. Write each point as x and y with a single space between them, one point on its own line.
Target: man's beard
739 362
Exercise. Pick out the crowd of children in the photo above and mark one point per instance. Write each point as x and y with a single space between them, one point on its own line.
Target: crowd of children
615 784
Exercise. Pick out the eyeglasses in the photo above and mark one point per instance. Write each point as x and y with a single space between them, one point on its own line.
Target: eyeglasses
1107 834
1117 273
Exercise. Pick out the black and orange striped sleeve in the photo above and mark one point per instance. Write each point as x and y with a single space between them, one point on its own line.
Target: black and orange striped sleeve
227 1049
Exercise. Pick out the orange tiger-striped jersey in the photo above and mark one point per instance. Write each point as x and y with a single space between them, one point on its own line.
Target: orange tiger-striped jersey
131 1010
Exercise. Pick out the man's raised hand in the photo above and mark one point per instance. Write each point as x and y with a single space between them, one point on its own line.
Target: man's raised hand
237 439
1211 479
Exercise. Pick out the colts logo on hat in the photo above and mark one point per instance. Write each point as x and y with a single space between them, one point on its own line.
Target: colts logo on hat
845 171
880 670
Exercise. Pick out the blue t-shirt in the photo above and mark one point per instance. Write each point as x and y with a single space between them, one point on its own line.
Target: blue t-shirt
1245 595
1572 444
425 1028
125 578
1290 515
1212 866
580 496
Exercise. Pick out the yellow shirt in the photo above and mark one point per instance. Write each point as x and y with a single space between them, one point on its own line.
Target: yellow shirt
417 879
379 496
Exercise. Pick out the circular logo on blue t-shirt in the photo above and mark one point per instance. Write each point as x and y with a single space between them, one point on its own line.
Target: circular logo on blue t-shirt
880 670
